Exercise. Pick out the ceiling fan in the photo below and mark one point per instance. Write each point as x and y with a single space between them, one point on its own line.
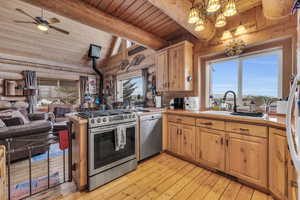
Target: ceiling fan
41 22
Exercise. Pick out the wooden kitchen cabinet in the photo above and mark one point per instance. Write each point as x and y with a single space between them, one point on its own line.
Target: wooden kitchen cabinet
174 68
175 139
182 139
188 140
247 158
162 71
210 148
278 170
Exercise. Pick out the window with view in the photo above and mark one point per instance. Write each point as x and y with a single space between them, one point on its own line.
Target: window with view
57 91
256 77
130 90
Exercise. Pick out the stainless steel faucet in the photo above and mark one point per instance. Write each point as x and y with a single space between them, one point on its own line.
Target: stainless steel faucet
234 99
268 104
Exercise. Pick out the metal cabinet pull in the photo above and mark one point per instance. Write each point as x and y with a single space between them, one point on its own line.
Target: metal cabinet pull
207 123
244 129
222 141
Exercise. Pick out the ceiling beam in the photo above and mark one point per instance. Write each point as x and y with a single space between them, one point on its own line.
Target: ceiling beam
178 10
88 15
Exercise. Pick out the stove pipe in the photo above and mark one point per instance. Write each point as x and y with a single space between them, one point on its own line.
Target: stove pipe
94 54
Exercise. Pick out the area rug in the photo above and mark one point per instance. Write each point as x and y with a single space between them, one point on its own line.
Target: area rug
21 190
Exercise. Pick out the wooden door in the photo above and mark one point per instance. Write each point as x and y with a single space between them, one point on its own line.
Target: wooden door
176 68
188 141
278 170
175 142
162 73
247 158
212 151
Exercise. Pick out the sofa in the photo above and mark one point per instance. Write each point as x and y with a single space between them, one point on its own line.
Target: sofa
38 127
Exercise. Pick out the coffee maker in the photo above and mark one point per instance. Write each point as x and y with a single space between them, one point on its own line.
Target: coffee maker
177 103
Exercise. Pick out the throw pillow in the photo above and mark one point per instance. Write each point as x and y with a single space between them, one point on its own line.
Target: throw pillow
6 114
2 124
18 114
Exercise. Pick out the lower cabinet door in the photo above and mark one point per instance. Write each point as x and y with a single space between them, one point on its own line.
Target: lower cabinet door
247 158
212 148
188 141
174 143
278 170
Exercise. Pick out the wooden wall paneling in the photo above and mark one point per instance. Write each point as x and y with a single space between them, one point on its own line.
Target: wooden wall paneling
91 16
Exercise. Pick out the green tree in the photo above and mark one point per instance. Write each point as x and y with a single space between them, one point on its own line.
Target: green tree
128 89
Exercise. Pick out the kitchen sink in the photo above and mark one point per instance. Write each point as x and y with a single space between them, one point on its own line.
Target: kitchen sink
248 114
244 114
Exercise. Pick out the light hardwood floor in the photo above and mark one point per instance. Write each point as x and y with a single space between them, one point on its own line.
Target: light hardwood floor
166 177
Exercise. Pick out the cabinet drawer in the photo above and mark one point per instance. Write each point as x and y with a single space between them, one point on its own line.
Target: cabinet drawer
277 132
182 119
213 124
247 129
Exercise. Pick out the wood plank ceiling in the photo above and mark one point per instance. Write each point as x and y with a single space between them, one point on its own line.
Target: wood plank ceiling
142 14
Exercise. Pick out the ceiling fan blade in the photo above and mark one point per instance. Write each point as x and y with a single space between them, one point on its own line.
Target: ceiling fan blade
53 20
59 30
24 13
24 22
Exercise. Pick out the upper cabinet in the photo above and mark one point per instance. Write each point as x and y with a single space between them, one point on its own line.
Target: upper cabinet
174 68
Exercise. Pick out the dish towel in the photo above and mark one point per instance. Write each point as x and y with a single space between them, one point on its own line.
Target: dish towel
63 139
120 138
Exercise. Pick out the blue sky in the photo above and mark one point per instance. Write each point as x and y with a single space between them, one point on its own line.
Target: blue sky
260 76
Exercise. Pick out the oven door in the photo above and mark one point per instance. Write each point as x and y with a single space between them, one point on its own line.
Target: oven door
102 147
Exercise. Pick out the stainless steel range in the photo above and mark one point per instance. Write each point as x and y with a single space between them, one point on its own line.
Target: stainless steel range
111 145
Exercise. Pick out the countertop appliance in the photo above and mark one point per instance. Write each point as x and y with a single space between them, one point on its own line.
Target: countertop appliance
150 135
293 119
177 103
111 145
192 103
158 101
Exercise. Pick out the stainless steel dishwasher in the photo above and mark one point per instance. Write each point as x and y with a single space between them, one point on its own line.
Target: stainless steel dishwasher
150 135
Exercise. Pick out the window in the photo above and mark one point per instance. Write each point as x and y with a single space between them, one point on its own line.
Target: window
130 89
252 77
57 91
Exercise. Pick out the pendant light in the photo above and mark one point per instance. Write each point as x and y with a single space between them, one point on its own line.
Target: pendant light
240 30
213 6
226 35
200 25
193 15
230 9
220 21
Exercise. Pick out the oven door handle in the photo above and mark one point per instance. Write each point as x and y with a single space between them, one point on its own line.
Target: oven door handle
102 130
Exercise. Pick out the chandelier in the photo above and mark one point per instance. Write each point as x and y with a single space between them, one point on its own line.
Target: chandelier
235 47
220 8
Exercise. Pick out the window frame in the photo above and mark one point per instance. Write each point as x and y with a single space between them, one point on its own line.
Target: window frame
239 59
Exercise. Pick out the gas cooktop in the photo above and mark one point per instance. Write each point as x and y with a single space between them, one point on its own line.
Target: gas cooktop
102 113
107 117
